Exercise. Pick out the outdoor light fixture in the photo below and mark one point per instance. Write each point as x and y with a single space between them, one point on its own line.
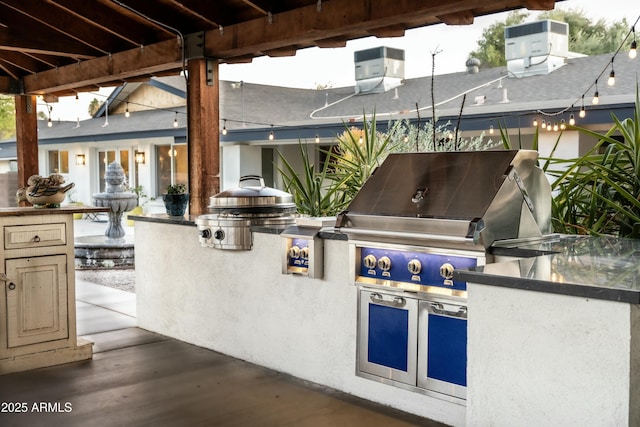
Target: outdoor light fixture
126 111
596 96
80 160
317 139
572 119
224 127
491 130
175 121
535 122
139 157
582 111
612 77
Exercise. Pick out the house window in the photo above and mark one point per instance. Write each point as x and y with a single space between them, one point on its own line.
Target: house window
110 156
58 161
171 166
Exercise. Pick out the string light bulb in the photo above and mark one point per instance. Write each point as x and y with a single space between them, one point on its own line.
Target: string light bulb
224 127
544 125
633 50
49 122
612 76
582 112
563 125
126 111
317 139
596 96
490 129
271 135
572 119
535 122
175 121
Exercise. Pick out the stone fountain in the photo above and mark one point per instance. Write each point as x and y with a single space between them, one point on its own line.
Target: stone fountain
115 248
116 199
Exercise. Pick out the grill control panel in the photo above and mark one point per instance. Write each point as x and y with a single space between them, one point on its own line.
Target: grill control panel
420 268
303 252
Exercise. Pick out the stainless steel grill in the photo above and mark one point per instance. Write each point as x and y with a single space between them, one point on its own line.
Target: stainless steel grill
233 212
418 218
453 199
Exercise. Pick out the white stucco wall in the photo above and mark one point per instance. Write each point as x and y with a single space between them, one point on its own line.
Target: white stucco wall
239 303
538 359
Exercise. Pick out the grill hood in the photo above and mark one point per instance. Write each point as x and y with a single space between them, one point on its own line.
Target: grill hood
469 198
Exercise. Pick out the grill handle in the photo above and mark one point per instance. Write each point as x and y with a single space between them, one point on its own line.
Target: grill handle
411 236
440 309
396 302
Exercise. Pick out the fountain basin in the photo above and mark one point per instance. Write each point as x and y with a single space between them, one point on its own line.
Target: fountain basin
98 252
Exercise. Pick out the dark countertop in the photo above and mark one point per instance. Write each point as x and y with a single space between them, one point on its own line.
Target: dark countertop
591 267
326 233
22 211
166 219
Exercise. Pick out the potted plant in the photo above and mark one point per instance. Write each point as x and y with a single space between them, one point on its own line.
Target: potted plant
143 199
71 196
176 199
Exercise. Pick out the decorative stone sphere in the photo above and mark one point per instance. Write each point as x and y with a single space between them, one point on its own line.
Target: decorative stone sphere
114 177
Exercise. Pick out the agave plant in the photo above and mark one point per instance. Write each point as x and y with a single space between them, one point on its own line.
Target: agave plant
311 193
599 193
356 156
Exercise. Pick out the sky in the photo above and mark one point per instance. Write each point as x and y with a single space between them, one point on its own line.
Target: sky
334 67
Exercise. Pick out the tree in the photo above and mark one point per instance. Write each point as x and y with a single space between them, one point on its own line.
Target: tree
7 117
585 36
490 50
94 106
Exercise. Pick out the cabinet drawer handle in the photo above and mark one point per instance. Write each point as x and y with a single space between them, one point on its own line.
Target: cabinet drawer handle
36 238
12 286
397 301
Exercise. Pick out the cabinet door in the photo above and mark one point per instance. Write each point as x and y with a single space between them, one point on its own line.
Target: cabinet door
36 300
387 335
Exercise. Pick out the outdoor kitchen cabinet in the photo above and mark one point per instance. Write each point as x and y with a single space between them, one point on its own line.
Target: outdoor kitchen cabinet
37 304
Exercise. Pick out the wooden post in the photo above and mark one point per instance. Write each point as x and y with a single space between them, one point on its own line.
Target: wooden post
203 135
26 138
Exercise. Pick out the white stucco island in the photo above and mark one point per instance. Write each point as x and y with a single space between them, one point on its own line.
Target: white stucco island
540 350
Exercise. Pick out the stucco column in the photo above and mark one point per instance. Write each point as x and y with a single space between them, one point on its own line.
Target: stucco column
203 134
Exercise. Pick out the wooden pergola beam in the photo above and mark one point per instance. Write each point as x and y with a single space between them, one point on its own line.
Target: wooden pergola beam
26 137
119 66
203 139
336 18
331 25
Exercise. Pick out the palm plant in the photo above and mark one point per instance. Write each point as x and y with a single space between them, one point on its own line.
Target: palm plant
599 193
